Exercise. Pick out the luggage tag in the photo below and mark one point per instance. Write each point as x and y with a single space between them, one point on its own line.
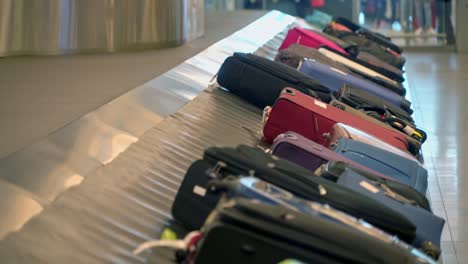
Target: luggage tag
186 245
212 84
266 114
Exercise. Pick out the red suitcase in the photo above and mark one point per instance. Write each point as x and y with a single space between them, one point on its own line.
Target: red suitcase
297 112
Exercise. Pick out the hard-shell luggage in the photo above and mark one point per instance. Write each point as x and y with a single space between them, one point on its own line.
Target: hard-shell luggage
249 231
428 226
334 80
399 168
308 38
373 36
295 54
339 131
260 81
334 169
297 112
414 145
310 155
365 72
194 200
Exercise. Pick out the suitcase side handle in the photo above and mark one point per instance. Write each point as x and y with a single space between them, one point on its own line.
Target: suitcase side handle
288 91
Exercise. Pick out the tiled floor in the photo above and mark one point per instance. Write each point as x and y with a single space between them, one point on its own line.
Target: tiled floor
438 90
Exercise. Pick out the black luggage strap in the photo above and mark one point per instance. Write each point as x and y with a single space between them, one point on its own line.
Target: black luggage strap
403 126
386 116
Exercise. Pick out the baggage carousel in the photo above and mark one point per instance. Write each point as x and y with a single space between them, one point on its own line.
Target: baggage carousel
94 190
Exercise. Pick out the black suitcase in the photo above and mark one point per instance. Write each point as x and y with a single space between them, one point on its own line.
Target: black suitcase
334 169
260 81
193 201
373 36
369 46
429 226
251 231
358 98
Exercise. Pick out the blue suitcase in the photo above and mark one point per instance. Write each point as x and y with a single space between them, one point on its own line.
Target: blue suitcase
335 79
397 167
428 226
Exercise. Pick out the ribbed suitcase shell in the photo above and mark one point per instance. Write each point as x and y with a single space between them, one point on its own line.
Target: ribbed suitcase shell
297 112
401 169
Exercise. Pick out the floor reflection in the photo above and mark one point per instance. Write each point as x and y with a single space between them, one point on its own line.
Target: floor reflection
438 93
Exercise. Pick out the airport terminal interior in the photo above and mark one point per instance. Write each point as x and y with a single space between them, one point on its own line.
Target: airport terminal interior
104 106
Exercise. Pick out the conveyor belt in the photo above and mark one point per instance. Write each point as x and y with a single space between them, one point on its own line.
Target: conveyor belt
127 199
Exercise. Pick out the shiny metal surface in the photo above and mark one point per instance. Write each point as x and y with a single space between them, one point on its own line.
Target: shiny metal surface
126 160
72 26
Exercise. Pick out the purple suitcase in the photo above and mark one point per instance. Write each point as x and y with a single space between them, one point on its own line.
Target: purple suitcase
310 155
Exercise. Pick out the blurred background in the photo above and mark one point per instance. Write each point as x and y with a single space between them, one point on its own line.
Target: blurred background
428 23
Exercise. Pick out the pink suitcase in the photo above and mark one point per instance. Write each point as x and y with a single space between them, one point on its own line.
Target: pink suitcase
308 38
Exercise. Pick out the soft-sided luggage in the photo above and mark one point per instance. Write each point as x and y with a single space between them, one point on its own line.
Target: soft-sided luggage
364 71
414 145
381 110
399 168
339 131
260 81
428 226
334 80
359 98
334 169
297 112
308 38
310 155
370 35
194 201
373 48
369 46
249 231
295 54
370 61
